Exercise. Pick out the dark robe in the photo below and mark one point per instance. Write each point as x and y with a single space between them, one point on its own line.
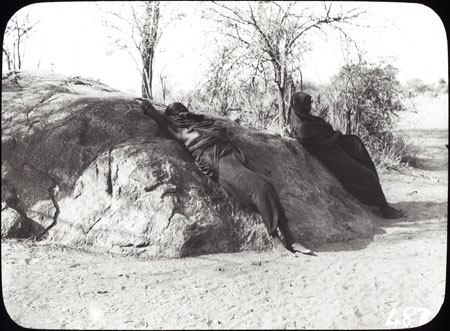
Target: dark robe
212 143
217 157
345 155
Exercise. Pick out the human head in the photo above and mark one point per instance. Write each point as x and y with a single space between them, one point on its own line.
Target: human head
301 103
175 108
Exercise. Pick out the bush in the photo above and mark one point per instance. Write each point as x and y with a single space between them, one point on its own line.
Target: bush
365 99
362 99
391 153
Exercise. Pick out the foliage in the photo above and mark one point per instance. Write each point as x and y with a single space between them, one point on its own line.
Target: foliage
252 102
392 153
417 86
264 42
365 100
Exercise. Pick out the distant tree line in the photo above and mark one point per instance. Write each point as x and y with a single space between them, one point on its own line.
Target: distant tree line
417 86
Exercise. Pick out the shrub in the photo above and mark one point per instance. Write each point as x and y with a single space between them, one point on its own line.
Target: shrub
365 100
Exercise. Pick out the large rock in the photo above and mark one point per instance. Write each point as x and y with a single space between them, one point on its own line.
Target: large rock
125 189
13 224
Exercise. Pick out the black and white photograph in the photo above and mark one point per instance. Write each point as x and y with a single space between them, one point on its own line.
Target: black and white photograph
224 165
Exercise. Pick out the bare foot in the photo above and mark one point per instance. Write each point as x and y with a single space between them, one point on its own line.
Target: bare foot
391 213
300 248
279 248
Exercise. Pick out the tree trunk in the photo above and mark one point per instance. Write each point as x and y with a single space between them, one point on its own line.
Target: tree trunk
147 76
348 129
290 89
282 115
18 50
301 80
150 37
163 87
8 59
280 79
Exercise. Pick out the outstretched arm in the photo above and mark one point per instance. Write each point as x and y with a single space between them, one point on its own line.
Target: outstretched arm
149 110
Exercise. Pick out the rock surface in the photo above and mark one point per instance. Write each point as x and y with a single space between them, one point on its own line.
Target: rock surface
13 225
125 189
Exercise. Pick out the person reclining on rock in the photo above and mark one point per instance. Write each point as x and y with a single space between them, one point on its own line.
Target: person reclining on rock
345 155
216 157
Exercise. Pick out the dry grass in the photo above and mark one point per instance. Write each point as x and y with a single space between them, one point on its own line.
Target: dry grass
427 149
393 156
421 149
421 130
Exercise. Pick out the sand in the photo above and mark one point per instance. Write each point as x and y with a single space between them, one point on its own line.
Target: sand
395 279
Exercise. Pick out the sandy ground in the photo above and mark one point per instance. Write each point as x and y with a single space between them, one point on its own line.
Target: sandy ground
396 279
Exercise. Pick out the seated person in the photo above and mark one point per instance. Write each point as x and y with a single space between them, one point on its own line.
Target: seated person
217 158
345 155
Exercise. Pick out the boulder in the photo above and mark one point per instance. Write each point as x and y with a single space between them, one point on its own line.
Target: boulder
13 225
125 189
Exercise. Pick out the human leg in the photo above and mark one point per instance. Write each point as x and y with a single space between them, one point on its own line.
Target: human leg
290 240
354 177
248 188
357 179
279 248
354 147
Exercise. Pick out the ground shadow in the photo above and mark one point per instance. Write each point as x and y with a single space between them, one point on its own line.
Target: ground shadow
421 217
418 211
427 163
351 245
24 227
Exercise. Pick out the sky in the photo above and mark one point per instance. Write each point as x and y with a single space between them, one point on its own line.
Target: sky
70 39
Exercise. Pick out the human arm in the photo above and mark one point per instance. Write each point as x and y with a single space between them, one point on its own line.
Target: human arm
315 132
160 119
332 140
323 142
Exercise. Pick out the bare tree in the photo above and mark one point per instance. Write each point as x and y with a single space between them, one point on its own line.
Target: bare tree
148 29
19 28
271 36
136 28
164 87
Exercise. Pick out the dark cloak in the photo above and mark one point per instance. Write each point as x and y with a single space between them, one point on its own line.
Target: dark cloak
212 143
214 152
345 155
